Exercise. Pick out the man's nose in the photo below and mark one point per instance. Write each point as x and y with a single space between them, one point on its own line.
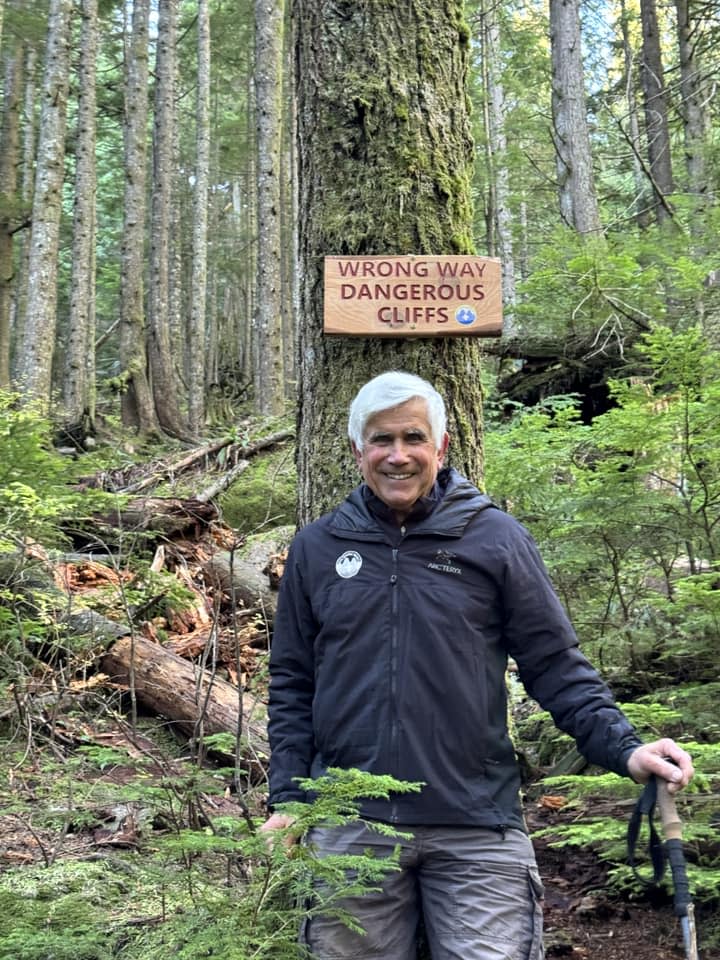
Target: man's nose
399 450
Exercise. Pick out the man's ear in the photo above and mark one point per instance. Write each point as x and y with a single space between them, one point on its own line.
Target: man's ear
443 448
357 454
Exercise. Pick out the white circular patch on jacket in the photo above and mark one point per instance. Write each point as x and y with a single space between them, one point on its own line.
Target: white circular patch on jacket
348 564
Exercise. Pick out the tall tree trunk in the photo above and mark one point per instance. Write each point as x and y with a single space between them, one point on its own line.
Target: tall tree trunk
9 157
78 386
269 387
652 79
633 132
180 252
138 409
578 203
29 131
164 381
288 205
498 168
694 100
249 232
384 153
35 361
196 364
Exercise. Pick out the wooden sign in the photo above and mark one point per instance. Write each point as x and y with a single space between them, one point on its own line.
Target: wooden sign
413 296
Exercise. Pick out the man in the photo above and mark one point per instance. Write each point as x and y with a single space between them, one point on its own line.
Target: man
396 616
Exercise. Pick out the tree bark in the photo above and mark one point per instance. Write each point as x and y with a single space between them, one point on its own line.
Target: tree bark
269 373
79 379
35 369
694 99
578 203
498 171
19 302
164 382
137 406
288 206
633 132
652 78
384 156
178 690
196 339
9 158
247 218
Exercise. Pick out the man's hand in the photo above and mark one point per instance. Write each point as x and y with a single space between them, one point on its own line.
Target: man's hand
279 821
654 758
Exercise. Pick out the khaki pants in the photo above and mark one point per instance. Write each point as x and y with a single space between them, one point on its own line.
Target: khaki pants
479 893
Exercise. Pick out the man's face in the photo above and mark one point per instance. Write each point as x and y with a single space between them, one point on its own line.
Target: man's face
399 461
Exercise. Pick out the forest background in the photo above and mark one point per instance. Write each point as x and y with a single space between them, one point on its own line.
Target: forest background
162 192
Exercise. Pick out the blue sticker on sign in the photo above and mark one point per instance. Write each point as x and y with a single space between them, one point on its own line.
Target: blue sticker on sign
465 316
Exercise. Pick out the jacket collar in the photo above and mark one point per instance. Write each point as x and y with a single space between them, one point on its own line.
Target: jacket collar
445 511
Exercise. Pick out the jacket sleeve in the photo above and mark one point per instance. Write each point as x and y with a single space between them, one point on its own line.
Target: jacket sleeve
553 670
581 704
290 724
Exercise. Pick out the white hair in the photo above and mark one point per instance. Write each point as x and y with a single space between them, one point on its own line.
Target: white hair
390 390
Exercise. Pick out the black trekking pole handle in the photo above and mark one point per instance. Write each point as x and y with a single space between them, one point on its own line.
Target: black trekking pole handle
672 832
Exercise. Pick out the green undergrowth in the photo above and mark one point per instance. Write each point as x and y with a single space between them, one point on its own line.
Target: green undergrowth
599 805
38 486
212 887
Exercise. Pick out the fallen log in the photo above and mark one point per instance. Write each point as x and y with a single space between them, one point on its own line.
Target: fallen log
170 516
192 698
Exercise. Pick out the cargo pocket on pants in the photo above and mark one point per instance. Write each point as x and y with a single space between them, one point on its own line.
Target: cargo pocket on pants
537 894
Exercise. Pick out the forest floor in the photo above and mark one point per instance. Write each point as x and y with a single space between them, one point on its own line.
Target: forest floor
584 921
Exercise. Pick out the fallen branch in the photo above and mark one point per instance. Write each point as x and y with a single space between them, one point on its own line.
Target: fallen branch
178 466
236 452
227 479
175 688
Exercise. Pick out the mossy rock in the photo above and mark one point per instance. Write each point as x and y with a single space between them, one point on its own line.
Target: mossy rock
259 547
264 495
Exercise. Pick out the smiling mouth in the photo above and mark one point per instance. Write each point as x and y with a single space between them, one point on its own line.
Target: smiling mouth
398 476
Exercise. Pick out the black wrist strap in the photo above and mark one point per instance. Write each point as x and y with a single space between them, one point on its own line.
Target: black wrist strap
646 807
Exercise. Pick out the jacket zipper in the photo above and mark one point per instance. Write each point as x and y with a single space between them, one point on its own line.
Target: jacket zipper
394 732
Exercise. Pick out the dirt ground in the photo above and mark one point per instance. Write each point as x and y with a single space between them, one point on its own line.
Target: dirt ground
584 923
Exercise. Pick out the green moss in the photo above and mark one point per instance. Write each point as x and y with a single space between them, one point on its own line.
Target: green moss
464 33
276 536
264 495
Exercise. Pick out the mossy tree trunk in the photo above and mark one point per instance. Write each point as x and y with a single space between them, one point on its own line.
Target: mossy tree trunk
384 165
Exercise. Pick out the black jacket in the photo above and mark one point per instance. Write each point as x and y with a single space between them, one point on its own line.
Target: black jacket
389 655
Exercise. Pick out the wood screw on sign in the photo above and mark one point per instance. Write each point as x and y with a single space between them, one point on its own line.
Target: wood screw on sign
672 832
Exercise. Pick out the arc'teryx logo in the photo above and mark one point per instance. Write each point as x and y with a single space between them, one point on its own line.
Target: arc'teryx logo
443 562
